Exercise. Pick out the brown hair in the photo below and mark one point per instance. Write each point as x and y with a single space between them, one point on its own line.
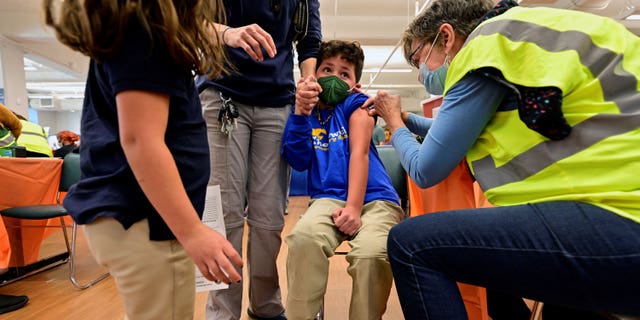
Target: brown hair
96 28
347 50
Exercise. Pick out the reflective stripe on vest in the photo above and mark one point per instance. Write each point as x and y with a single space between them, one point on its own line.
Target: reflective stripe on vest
6 138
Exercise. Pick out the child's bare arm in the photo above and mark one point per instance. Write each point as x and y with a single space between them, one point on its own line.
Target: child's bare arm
155 170
347 219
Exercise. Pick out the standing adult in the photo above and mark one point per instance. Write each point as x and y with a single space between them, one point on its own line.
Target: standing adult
245 145
544 105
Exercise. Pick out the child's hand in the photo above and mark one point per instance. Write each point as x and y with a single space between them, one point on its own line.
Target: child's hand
307 95
347 220
213 255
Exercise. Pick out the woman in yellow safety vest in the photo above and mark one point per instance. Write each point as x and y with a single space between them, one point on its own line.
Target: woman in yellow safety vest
545 106
34 139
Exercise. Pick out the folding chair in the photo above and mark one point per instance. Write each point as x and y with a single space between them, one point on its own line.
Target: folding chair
70 175
398 176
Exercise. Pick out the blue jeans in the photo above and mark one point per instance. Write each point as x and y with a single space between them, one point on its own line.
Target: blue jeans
566 253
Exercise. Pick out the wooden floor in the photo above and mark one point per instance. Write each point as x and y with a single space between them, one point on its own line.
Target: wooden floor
52 296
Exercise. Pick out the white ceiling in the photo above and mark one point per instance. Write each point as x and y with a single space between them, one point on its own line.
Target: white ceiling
51 70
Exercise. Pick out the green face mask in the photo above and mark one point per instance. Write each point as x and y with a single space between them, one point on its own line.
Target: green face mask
334 90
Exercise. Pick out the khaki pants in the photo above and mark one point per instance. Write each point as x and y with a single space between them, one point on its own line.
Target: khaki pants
314 239
155 279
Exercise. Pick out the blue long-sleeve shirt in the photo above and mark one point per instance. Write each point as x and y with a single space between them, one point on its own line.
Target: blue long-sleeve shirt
466 109
269 82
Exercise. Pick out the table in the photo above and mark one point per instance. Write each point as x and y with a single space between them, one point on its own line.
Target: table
26 181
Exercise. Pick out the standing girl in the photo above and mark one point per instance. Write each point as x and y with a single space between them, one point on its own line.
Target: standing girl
145 157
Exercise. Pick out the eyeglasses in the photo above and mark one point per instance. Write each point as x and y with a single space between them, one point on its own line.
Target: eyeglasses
412 62
433 44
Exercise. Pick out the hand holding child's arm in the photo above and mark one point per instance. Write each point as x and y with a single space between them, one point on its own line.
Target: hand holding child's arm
307 95
389 107
161 183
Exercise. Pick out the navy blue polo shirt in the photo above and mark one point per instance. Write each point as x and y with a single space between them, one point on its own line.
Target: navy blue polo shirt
268 83
108 187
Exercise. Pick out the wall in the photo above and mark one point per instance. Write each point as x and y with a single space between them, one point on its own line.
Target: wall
13 78
60 120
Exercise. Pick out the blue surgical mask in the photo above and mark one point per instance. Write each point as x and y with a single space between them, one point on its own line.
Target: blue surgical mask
433 81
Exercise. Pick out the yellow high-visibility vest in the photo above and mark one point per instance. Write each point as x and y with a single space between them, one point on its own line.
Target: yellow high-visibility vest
595 61
34 138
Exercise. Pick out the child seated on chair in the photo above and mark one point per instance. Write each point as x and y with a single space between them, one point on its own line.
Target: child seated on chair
352 197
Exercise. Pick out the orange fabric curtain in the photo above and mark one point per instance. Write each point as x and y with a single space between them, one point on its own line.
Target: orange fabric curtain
455 192
5 248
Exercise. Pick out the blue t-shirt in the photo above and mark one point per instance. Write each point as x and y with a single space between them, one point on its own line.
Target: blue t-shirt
107 187
268 83
323 150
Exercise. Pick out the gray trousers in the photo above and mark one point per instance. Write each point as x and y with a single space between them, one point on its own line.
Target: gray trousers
248 167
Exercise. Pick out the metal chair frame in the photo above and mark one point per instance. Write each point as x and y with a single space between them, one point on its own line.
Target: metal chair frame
70 175
393 168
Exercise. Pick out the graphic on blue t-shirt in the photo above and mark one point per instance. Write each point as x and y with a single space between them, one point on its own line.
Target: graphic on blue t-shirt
321 139
317 137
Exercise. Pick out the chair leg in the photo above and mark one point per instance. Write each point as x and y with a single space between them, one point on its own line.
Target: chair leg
72 276
320 315
19 273
536 310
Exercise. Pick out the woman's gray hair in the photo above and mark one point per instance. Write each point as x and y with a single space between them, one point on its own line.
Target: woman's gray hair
462 15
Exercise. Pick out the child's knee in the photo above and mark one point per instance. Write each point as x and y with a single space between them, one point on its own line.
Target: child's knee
305 243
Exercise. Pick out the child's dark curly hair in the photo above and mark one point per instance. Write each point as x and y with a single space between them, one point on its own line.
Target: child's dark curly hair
347 50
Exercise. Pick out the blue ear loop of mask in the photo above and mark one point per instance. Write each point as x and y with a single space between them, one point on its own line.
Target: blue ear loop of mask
433 81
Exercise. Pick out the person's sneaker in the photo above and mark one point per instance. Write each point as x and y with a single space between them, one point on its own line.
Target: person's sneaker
10 303
254 316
